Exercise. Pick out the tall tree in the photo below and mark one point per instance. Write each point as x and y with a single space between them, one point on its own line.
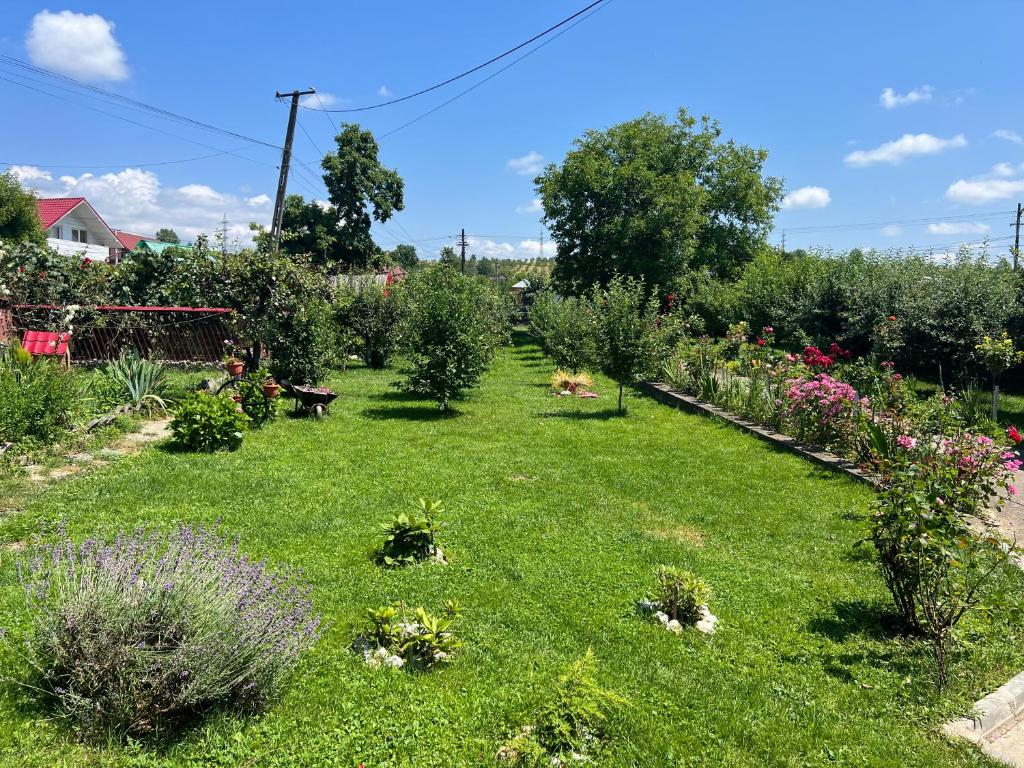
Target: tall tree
361 191
167 235
19 220
309 229
405 256
652 199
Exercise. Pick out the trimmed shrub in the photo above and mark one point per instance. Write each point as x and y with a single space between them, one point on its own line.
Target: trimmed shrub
141 635
205 422
627 330
302 343
454 326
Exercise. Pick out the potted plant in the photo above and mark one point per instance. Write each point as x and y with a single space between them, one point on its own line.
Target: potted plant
234 366
271 388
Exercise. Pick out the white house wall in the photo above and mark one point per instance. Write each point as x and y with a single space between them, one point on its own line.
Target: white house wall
85 250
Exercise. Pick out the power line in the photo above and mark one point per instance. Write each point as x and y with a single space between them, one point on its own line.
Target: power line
904 222
126 165
468 72
167 114
493 74
116 116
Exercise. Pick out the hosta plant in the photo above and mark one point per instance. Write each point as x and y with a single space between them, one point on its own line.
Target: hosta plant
410 537
143 634
420 641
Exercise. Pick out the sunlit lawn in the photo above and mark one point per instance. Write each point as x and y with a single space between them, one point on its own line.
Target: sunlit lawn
558 512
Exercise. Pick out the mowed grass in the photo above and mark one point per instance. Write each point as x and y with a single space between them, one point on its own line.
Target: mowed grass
558 512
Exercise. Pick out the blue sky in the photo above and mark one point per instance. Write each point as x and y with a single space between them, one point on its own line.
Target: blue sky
806 80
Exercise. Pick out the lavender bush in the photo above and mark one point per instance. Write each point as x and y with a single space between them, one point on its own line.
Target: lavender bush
139 636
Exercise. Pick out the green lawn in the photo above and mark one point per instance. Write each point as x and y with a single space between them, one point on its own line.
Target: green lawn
558 513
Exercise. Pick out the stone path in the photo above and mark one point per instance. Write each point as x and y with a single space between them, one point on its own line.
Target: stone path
130 442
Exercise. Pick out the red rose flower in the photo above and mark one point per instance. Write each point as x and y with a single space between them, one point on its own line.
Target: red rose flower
1013 433
761 342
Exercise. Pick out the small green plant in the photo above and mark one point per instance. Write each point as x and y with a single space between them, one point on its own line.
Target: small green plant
409 538
681 594
570 726
394 639
205 422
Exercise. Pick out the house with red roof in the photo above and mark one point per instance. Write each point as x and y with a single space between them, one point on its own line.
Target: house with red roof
73 227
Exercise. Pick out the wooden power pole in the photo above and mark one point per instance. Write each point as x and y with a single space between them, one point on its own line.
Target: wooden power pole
462 243
1016 239
286 158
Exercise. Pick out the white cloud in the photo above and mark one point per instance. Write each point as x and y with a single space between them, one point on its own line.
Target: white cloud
321 100
908 145
258 200
534 206
983 190
384 92
27 173
892 230
890 99
523 249
135 201
1008 135
807 197
1003 170
76 44
959 228
528 165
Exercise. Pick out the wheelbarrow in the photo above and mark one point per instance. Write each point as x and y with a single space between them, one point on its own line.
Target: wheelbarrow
311 401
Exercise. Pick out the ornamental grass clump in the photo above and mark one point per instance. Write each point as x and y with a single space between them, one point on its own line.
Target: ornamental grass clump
140 636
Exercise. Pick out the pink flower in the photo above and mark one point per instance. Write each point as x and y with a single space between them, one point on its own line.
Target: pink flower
1012 466
984 440
888 365
768 330
939 501
906 442
1012 489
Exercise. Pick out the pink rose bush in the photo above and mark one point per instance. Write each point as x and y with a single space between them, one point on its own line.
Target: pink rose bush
821 408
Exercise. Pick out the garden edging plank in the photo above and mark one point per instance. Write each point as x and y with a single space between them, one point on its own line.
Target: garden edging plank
665 394
992 712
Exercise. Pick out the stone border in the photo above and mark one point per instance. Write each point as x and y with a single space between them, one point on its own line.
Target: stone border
994 711
665 394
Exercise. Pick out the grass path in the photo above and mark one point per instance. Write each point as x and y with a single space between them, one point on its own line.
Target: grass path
558 513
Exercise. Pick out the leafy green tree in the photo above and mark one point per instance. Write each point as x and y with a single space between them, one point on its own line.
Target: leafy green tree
167 235
453 327
627 328
653 199
405 256
19 220
309 229
450 257
361 191
374 314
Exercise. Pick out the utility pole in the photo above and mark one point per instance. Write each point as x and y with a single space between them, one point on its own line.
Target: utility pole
783 242
224 235
1016 239
286 158
462 244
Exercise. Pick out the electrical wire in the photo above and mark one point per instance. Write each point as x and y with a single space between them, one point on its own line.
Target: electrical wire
468 72
904 222
495 74
167 114
126 165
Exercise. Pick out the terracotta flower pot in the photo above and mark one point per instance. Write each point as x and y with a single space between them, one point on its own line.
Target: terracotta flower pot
235 369
271 390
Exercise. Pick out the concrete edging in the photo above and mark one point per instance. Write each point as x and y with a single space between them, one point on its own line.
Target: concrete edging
665 394
995 710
